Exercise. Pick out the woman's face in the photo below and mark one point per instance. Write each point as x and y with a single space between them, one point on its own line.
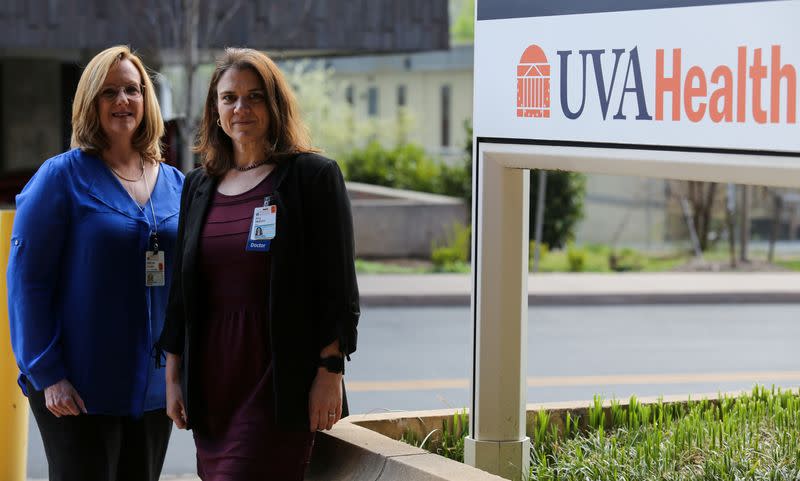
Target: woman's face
121 102
242 106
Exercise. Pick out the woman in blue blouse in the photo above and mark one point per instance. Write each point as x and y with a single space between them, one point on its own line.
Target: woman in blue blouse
91 256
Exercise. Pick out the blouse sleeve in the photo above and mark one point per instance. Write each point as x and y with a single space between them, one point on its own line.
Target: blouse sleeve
34 270
332 237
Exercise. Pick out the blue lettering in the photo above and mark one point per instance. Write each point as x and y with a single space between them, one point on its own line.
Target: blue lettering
564 54
603 94
637 88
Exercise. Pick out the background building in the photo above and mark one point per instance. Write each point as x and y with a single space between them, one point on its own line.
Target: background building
433 91
44 44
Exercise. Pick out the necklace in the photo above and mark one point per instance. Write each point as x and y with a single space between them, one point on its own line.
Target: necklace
125 178
154 226
255 164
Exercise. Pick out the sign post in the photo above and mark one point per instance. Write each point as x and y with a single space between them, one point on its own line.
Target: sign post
702 90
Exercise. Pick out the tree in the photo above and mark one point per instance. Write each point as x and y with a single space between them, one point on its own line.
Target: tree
462 26
702 200
460 176
563 206
181 38
331 120
185 33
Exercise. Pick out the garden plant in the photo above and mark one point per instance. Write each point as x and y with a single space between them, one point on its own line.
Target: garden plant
753 436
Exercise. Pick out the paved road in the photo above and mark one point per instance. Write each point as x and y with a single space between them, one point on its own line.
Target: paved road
419 358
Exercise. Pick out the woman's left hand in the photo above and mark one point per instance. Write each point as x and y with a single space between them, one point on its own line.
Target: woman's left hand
325 401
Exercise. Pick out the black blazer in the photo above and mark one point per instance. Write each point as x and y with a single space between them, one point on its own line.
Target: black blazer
313 297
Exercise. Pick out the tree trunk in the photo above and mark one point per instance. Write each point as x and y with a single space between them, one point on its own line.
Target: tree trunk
701 198
744 227
539 219
776 224
730 219
705 214
690 224
187 126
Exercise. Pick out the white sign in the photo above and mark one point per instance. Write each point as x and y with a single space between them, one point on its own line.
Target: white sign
718 77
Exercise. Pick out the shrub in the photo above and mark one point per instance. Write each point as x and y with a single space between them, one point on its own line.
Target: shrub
544 250
563 206
406 166
456 180
626 260
446 255
453 253
576 257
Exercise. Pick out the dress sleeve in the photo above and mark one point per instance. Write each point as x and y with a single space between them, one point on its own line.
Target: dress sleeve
173 335
34 270
332 243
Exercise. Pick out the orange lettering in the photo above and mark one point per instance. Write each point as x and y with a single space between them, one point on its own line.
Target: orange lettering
741 85
779 72
718 112
690 91
668 84
757 73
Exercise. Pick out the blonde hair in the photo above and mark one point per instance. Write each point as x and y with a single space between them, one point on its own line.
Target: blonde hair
286 132
87 133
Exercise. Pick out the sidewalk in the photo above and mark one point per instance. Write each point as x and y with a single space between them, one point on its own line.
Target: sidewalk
590 289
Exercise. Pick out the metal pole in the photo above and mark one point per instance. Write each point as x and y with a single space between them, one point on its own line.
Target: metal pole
539 218
13 404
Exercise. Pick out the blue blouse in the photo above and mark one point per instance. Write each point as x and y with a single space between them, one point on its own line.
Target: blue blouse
78 304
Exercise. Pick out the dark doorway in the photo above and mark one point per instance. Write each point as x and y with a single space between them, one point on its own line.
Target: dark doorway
70 74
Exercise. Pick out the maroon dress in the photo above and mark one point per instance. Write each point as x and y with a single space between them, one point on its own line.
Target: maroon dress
237 438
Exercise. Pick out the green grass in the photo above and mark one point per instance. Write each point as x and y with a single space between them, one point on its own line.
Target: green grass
751 437
791 264
447 441
372 267
594 258
755 436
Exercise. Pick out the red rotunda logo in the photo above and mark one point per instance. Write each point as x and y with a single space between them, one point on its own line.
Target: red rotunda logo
533 83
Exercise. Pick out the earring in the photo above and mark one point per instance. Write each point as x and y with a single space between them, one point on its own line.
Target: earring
218 122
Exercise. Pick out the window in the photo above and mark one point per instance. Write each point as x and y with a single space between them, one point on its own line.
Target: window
348 94
401 95
372 101
445 104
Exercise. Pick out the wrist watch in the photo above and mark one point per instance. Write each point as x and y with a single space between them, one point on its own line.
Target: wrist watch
334 364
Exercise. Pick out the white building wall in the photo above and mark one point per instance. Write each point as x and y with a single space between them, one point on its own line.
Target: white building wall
423 99
623 211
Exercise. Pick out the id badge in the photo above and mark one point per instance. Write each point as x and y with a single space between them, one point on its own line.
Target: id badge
154 268
262 229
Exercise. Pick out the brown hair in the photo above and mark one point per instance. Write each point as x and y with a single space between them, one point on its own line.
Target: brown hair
86 130
286 131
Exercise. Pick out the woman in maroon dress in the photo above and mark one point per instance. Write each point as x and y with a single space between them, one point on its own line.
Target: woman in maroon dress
264 303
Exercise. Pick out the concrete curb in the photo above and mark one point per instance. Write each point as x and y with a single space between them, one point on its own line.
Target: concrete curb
354 453
559 289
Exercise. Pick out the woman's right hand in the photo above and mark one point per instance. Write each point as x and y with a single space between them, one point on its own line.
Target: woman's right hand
176 410
62 399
